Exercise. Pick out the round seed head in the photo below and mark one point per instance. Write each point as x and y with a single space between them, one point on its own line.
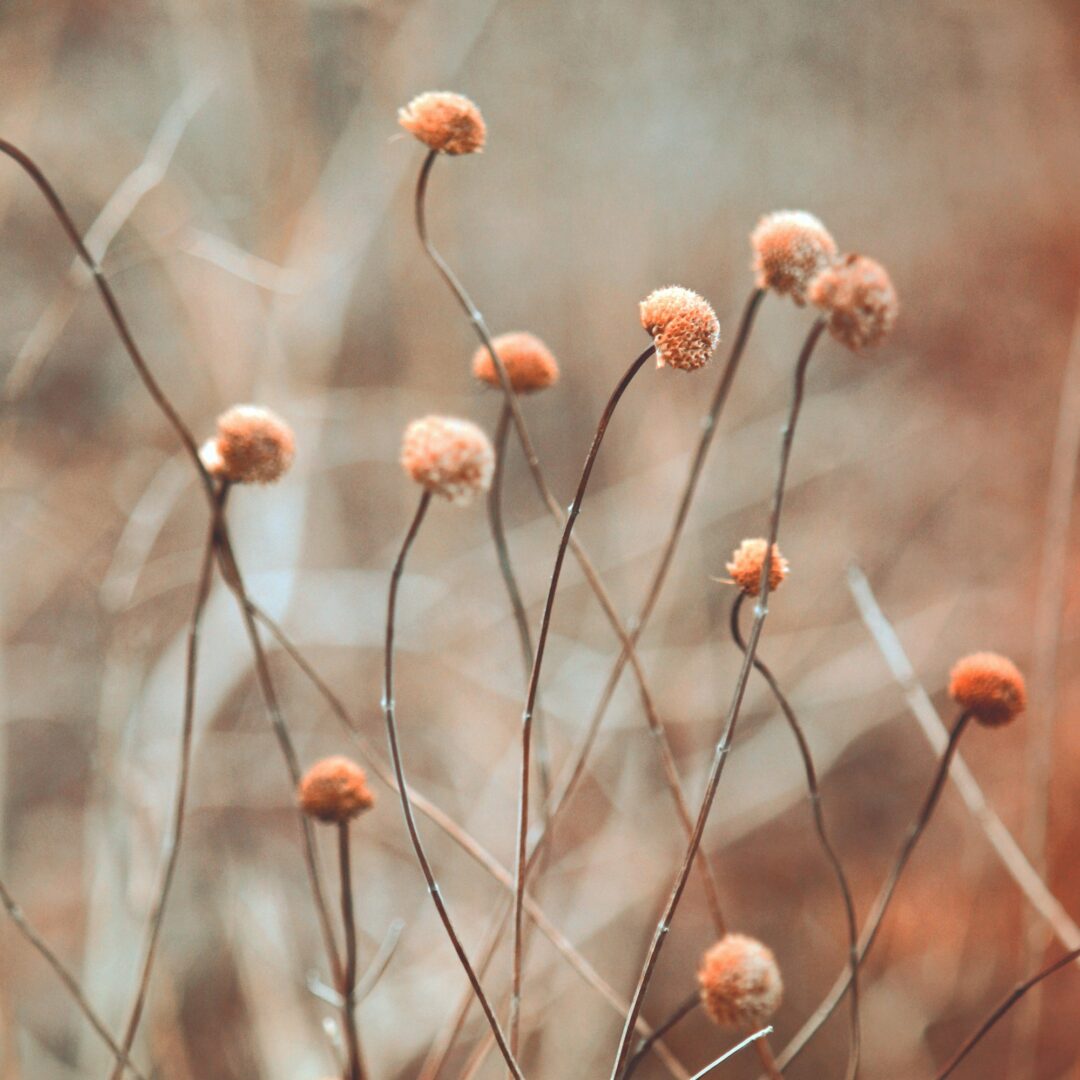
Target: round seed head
450 457
527 359
790 248
740 982
444 121
254 445
334 790
683 325
746 563
990 687
860 301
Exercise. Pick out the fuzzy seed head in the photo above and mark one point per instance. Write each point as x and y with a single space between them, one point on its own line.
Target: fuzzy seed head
746 563
527 359
859 298
334 790
740 982
791 247
990 687
444 121
683 325
450 457
254 445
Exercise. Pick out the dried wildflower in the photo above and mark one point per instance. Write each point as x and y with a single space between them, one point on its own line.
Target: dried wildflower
859 298
683 325
528 362
254 445
334 790
990 687
450 457
791 248
747 561
444 121
740 982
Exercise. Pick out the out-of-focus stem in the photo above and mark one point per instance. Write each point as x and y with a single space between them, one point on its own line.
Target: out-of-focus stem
355 1067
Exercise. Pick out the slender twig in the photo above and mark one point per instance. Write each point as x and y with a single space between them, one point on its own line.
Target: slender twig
379 963
534 683
347 988
723 747
732 1052
70 982
175 834
1018 992
682 1010
823 836
403 789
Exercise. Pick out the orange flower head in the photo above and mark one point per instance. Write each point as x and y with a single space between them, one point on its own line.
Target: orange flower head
527 359
683 325
334 790
746 563
450 457
740 982
254 445
444 121
859 298
791 247
990 687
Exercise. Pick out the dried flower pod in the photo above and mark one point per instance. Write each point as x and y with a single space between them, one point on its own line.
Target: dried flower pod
791 247
990 687
860 300
746 563
740 982
450 457
334 790
683 325
445 121
528 362
254 446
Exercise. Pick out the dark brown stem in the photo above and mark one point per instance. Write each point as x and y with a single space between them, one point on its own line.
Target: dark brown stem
172 842
60 211
823 835
723 747
25 928
355 1068
688 1005
403 789
1017 993
881 903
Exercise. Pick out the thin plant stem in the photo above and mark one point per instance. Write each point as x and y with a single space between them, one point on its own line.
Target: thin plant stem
691 1002
355 1069
1017 993
24 926
823 836
723 747
403 789
881 902
732 1052
534 683
175 834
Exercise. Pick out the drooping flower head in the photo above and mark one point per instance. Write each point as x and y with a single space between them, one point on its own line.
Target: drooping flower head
990 687
683 325
859 298
450 457
334 790
746 563
740 982
253 446
791 247
528 362
445 121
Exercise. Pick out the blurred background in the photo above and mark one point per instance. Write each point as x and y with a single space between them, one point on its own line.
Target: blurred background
240 170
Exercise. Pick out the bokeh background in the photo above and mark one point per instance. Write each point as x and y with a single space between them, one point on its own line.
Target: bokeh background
255 204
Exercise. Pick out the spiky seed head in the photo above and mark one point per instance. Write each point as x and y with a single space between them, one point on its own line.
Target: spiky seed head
791 247
683 325
528 361
254 445
858 296
990 687
444 121
450 457
746 563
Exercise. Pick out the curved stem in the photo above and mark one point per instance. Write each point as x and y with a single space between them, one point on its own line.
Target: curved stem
881 902
348 976
723 747
534 683
823 836
172 843
1017 993
684 1009
403 789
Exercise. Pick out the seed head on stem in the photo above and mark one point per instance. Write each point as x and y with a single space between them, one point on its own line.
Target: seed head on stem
746 565
449 123
334 790
683 325
859 298
528 361
740 982
791 247
452 458
253 446
990 687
